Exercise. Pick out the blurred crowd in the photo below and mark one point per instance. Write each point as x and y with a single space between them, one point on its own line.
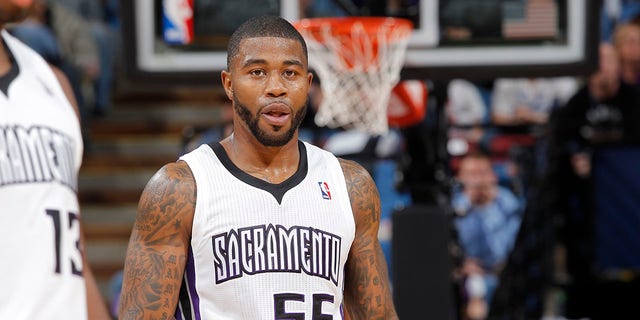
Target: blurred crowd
560 148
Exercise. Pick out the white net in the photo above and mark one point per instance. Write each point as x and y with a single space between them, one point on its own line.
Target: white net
357 70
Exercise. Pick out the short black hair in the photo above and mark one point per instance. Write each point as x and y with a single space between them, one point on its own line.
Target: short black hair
263 26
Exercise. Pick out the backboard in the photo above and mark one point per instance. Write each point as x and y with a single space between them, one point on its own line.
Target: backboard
452 38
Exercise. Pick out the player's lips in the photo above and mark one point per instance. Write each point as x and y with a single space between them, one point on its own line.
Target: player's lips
277 114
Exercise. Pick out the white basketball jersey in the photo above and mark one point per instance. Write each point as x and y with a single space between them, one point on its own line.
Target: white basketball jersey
267 251
40 155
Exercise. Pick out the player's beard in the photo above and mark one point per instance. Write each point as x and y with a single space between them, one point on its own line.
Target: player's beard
265 138
14 15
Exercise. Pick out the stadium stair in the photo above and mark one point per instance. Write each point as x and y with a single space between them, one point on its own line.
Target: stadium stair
142 132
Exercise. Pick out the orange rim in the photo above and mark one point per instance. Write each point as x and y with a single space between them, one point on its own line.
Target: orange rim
342 26
369 35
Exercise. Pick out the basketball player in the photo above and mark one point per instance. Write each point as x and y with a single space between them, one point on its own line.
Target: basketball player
43 270
259 225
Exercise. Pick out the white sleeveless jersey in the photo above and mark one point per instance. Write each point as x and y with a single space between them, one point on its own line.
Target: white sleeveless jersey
267 251
40 155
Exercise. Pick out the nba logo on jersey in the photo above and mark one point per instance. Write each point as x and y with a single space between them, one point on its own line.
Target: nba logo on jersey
177 21
324 188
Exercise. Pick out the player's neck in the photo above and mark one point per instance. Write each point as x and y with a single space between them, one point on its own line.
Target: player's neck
5 62
272 164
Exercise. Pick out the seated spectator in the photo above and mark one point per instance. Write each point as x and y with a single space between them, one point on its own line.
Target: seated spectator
528 101
467 109
466 105
487 221
103 27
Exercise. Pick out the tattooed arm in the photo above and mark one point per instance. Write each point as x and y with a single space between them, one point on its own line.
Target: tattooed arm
367 292
157 251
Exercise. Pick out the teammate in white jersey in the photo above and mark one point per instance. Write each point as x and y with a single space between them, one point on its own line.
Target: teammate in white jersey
260 225
44 273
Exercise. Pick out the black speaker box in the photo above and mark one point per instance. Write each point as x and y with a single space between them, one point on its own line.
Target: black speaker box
421 262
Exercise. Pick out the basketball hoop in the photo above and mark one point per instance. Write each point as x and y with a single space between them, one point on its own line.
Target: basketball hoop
358 61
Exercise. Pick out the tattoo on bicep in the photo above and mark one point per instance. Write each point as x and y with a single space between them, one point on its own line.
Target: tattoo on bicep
161 198
362 192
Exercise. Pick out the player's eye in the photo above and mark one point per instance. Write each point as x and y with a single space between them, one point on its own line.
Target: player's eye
289 73
257 72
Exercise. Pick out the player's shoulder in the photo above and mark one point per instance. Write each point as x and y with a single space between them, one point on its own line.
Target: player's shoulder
351 166
174 179
363 193
169 198
172 187
354 173
178 172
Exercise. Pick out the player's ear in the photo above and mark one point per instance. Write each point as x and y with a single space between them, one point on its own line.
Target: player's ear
226 84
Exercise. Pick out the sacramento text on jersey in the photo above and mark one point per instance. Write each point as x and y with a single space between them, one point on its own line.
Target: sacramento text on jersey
36 154
261 249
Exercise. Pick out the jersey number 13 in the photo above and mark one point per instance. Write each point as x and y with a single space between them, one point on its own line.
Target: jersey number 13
66 227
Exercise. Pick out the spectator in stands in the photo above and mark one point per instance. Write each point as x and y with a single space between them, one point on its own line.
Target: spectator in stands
487 221
74 36
603 112
626 40
63 39
468 115
466 105
528 101
102 19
